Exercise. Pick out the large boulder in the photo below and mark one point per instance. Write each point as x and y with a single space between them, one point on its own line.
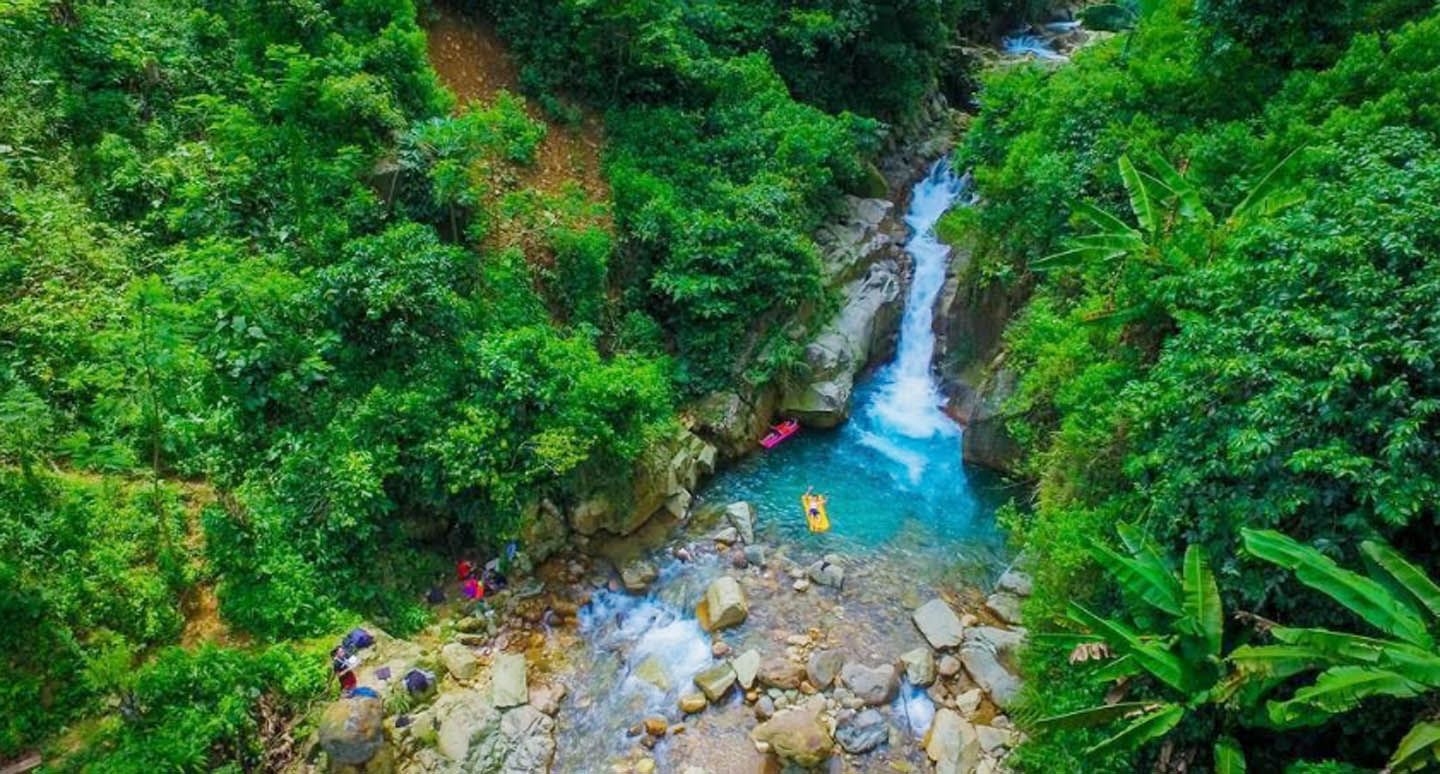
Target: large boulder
872 685
850 242
939 623
735 421
796 736
663 477
527 742
952 743
466 725
986 440
861 331
1005 606
543 530
458 660
725 603
827 572
823 667
715 682
986 653
741 516
863 732
1015 582
507 680
352 730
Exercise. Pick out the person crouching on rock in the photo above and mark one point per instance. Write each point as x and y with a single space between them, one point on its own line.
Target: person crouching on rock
344 665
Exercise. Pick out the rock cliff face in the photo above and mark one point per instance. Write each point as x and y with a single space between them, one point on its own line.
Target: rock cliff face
664 478
970 325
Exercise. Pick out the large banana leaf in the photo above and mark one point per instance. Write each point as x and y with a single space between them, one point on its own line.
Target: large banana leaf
1155 585
1095 716
1150 726
1363 596
1420 748
1411 578
1337 690
1189 198
1103 220
1277 660
1201 599
1150 656
1345 648
1229 759
1116 668
1264 189
1140 199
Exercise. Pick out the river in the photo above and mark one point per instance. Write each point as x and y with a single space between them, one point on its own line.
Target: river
909 522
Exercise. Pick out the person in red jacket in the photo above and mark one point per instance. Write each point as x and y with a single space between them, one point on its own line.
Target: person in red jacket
344 665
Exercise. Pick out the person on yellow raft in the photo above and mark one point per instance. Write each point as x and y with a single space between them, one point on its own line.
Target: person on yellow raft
815 514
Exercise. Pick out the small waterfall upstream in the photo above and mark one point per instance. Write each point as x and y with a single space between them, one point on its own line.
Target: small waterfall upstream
907 518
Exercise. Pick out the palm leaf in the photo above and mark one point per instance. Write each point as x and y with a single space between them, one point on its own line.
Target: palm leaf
1159 662
1277 660
1229 759
1202 600
1190 204
1102 219
1150 726
1411 578
1340 689
1363 596
1156 586
1094 716
1115 669
1111 241
1140 200
1263 188
1345 648
1419 748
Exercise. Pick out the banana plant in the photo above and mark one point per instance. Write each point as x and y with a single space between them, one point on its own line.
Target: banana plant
1397 598
1160 199
1177 638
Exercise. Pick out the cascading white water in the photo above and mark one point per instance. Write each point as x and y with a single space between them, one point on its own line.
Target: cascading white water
909 400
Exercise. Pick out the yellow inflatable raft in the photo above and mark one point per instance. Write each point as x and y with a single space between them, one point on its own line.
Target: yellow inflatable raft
815 512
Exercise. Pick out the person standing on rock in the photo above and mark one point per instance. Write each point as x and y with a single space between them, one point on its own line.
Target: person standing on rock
344 666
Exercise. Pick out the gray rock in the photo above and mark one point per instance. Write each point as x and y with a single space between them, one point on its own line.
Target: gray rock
715 682
725 603
691 703
952 743
746 665
352 730
527 742
547 697
1016 582
984 654
741 516
986 440
826 573
968 702
919 666
949 666
637 575
507 680
1005 606
543 530
467 723
458 660
863 732
823 667
764 708
992 739
663 476
939 623
726 535
871 685
861 330
756 555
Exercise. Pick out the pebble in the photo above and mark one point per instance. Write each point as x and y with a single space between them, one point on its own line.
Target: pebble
720 650
655 725
801 585
949 666
764 708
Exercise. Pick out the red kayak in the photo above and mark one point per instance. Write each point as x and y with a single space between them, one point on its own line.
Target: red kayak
779 433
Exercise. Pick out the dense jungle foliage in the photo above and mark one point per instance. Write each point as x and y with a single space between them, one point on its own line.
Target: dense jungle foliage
1194 366
279 319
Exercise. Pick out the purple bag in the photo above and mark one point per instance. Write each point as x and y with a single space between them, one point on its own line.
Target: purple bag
357 639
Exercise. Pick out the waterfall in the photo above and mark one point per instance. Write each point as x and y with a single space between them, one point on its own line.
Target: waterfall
909 399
